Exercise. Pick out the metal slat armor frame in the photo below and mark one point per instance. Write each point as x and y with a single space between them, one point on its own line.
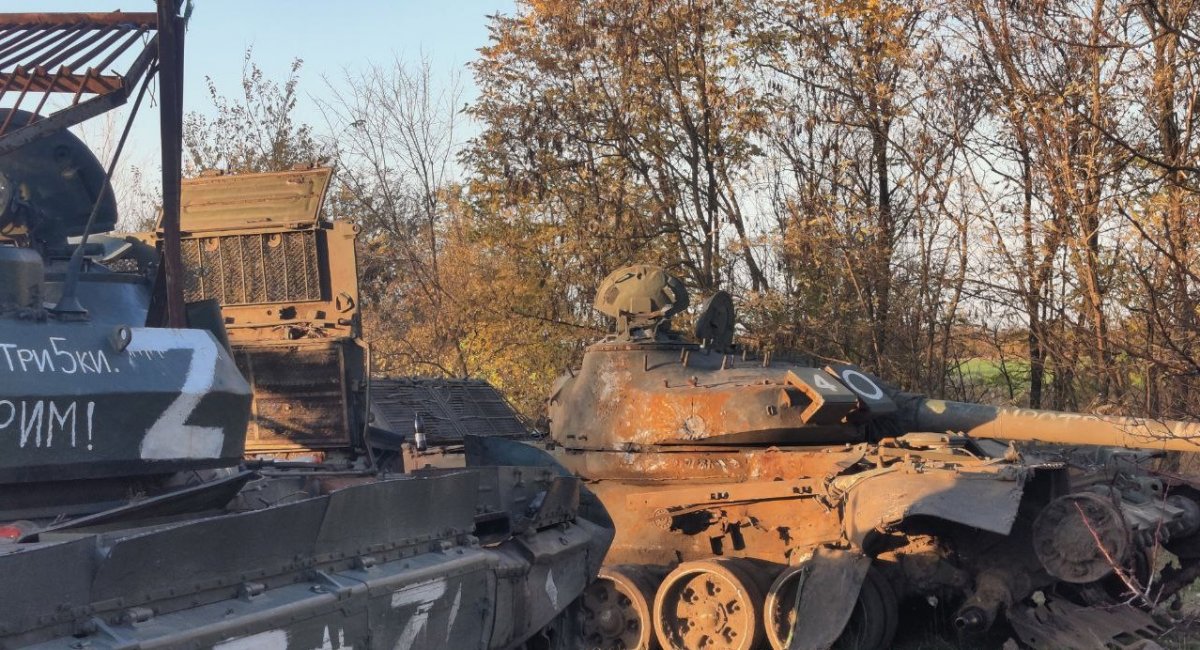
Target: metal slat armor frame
70 55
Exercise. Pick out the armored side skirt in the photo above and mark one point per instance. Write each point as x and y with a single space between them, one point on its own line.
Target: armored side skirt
382 564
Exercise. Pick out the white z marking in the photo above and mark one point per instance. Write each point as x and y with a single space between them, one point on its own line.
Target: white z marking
273 640
171 436
422 594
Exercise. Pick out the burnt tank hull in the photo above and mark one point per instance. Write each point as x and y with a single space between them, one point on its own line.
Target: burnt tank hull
771 509
761 503
929 513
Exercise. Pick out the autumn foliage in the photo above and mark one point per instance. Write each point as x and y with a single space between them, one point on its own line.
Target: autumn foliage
984 200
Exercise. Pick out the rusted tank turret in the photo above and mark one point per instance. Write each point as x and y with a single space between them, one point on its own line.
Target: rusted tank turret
765 502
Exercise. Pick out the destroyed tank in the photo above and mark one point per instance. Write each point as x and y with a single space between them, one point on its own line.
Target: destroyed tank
127 515
763 503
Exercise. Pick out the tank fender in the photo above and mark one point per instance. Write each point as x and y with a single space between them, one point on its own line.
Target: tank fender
879 500
829 583
481 451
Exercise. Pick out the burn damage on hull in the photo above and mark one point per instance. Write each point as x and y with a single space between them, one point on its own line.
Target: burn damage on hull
792 477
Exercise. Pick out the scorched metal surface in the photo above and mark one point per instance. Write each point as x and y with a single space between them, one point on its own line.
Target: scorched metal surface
760 501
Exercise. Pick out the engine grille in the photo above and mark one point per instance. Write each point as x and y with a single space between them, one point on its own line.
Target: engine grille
450 408
252 268
299 395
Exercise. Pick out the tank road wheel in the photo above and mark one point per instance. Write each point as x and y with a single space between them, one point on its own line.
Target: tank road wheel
779 609
710 605
615 609
1066 535
872 624
876 614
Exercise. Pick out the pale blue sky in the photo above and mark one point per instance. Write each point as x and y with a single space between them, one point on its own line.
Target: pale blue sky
328 36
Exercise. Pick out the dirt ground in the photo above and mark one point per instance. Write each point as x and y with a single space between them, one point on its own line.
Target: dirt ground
923 628
1183 638
1186 635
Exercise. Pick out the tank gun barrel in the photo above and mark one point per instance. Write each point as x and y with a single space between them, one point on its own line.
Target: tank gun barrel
1022 424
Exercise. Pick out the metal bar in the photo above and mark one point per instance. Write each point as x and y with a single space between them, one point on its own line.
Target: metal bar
8 37
170 56
7 82
141 64
110 19
202 273
45 95
94 83
79 90
60 120
120 49
95 51
48 40
46 59
242 266
287 269
91 36
69 83
107 83
306 271
262 262
29 36
223 272
69 49
54 38
17 106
